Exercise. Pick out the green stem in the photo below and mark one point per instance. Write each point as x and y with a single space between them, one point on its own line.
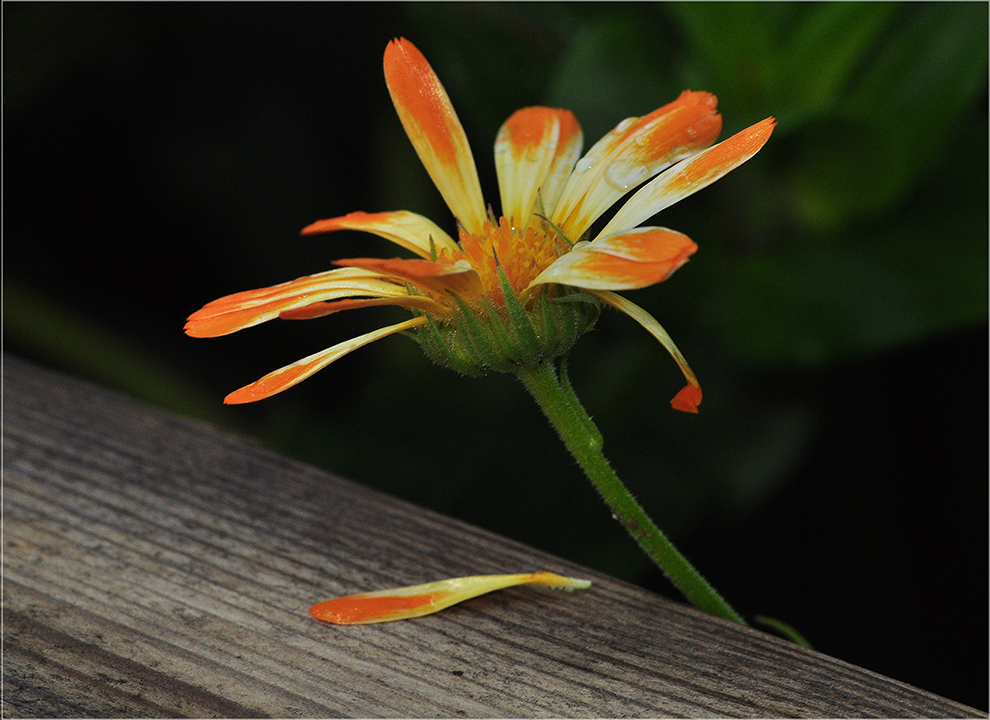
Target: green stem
564 411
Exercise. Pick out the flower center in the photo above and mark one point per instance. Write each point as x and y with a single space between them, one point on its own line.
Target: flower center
503 328
521 254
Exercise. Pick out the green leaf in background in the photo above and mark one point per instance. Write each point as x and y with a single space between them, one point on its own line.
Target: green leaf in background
865 227
825 47
732 50
897 117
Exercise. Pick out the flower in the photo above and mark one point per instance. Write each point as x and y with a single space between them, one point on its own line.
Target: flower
419 600
521 287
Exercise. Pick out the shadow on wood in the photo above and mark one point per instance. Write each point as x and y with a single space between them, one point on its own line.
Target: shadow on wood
157 567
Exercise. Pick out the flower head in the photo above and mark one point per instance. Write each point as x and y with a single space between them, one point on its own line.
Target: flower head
518 288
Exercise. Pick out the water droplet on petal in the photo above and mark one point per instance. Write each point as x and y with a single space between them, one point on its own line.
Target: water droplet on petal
584 164
624 125
624 176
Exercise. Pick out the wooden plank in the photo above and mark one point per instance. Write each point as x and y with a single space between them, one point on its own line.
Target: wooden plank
157 567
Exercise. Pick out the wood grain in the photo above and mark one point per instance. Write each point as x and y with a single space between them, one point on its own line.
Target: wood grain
157 567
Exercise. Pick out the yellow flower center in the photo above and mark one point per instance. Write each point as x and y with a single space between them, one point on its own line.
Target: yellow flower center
501 327
521 253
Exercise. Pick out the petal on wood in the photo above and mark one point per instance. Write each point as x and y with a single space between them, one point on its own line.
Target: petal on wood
252 307
531 158
436 133
633 152
689 397
419 600
690 176
624 261
410 230
284 378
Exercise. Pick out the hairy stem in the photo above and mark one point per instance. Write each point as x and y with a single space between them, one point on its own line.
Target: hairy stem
562 408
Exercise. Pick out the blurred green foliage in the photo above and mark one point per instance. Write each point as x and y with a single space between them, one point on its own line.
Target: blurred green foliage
159 156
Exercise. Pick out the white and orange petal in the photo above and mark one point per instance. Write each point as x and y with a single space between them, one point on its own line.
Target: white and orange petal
435 131
624 261
569 146
419 600
689 397
324 308
534 151
406 229
251 307
284 378
458 277
634 151
690 176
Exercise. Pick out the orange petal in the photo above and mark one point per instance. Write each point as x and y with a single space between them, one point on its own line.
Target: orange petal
418 600
534 150
411 231
458 277
322 309
284 378
690 176
430 122
569 146
252 307
689 397
624 261
636 150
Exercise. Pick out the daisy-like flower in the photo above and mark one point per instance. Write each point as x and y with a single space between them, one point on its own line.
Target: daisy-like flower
516 289
514 292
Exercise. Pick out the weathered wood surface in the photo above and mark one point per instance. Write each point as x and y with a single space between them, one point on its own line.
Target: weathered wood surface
156 567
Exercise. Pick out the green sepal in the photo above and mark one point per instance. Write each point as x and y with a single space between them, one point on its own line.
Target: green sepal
519 318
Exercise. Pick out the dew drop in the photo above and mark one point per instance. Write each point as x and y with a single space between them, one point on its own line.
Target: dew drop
624 176
584 164
624 125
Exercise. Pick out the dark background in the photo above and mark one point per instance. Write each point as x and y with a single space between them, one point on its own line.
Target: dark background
157 156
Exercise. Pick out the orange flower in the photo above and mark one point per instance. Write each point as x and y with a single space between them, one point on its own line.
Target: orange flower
519 288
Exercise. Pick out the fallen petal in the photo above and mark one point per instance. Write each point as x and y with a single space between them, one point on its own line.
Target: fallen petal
418 600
